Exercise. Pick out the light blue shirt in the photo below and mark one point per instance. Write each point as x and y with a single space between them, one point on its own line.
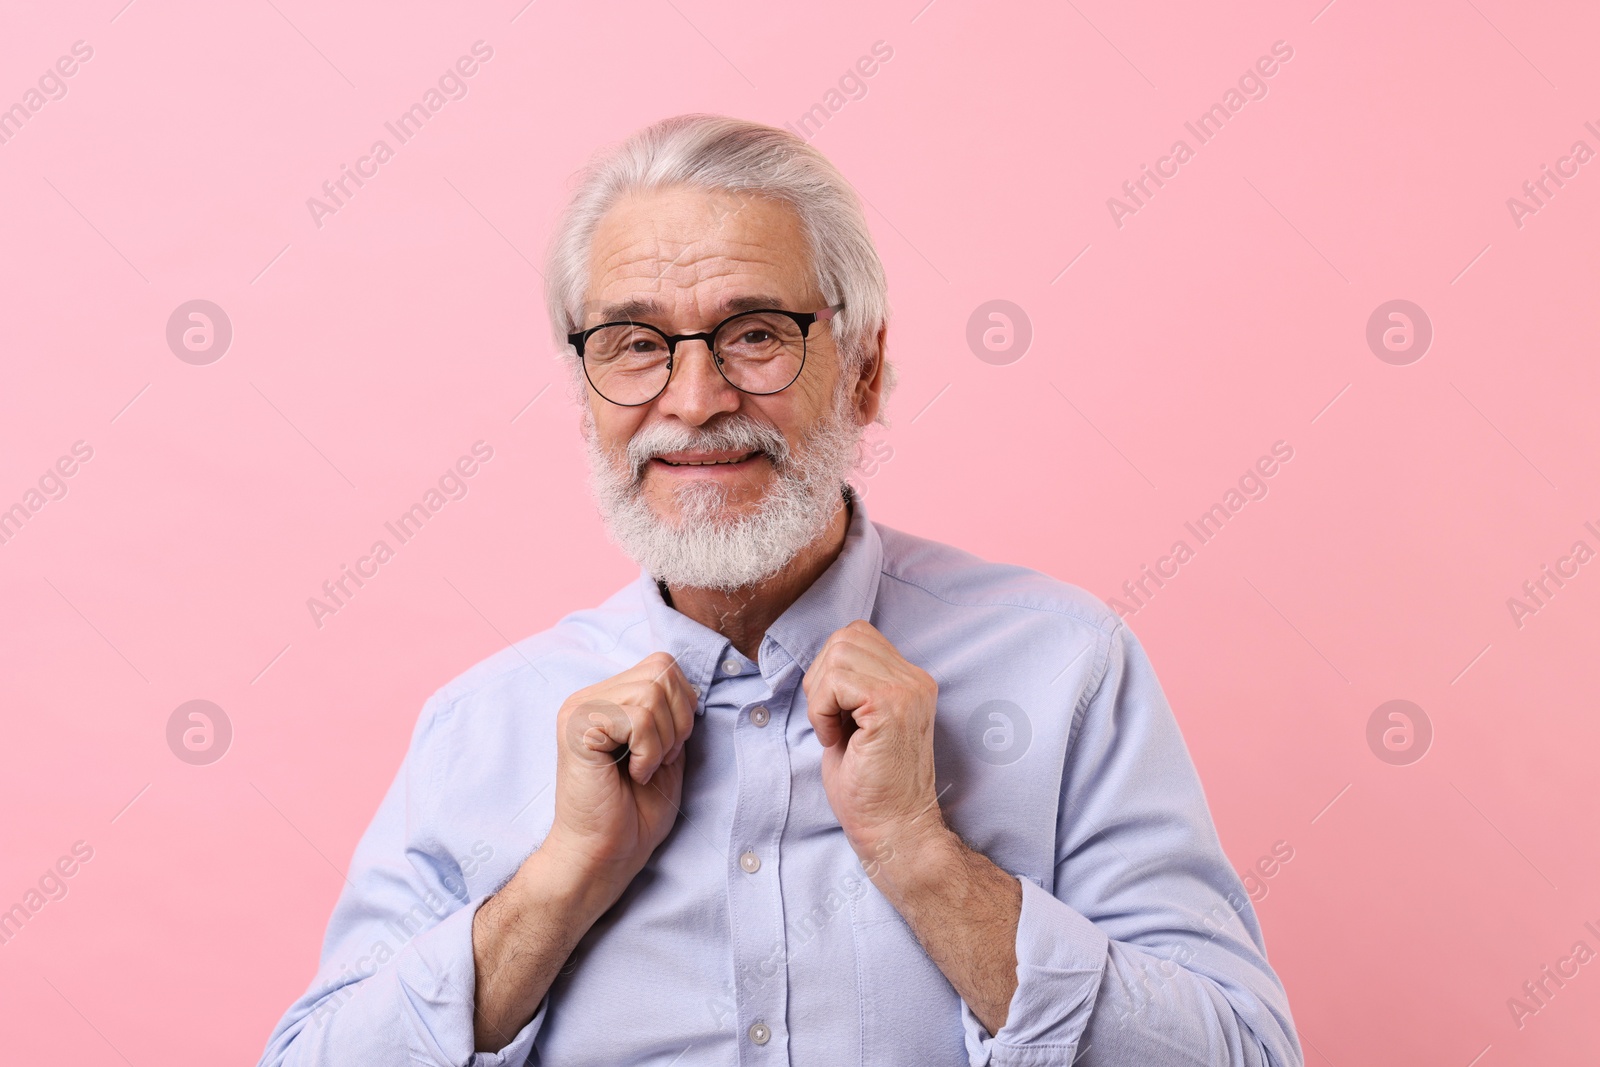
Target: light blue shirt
753 935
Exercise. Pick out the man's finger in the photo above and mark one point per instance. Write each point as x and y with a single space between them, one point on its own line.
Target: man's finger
679 701
833 693
646 746
599 729
655 696
824 712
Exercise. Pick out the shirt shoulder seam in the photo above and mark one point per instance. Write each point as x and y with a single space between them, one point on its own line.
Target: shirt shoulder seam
1092 692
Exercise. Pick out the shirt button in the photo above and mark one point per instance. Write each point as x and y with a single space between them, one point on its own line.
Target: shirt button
750 862
760 1033
760 715
730 666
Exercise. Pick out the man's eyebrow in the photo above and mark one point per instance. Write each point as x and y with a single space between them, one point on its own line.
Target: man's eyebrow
629 311
734 305
644 310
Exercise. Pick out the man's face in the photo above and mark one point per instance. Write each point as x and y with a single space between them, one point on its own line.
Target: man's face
687 253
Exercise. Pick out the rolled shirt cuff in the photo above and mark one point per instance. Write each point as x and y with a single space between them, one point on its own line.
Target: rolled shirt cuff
435 981
1061 957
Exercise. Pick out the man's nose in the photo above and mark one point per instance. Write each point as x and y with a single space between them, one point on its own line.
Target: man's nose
697 391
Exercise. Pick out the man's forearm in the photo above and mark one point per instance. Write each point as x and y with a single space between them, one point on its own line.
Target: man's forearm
964 911
521 937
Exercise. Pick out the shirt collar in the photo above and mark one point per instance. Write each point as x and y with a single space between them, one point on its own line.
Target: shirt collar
843 593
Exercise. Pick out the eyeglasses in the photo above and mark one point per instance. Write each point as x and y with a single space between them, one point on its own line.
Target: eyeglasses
758 352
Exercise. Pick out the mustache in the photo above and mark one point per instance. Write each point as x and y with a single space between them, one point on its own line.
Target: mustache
732 433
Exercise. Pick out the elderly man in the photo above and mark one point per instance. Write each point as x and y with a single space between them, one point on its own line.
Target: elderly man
810 790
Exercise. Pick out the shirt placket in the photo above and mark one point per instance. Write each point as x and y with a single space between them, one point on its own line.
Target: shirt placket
755 898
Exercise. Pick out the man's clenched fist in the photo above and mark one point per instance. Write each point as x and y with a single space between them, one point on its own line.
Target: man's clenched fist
873 712
619 768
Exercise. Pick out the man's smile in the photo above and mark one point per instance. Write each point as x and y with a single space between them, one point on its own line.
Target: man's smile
722 461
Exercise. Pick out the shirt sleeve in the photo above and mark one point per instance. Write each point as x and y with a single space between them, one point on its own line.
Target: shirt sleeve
396 979
1146 950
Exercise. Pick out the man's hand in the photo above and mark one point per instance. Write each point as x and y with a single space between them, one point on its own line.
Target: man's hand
619 778
619 768
873 712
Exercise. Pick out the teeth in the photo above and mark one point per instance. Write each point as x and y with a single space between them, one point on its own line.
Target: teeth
706 462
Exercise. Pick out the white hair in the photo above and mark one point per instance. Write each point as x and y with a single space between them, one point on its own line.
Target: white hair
733 155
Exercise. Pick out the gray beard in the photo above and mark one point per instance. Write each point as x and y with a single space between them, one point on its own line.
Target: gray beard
706 549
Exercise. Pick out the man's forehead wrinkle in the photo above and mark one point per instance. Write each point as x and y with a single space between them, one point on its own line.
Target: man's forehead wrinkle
695 264
678 241
690 263
638 244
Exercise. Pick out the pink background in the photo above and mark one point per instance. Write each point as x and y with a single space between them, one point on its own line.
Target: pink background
1228 313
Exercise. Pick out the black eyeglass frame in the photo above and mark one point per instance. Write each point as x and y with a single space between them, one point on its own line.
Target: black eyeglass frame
802 319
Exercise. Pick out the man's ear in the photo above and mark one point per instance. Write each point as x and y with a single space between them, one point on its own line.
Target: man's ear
870 384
